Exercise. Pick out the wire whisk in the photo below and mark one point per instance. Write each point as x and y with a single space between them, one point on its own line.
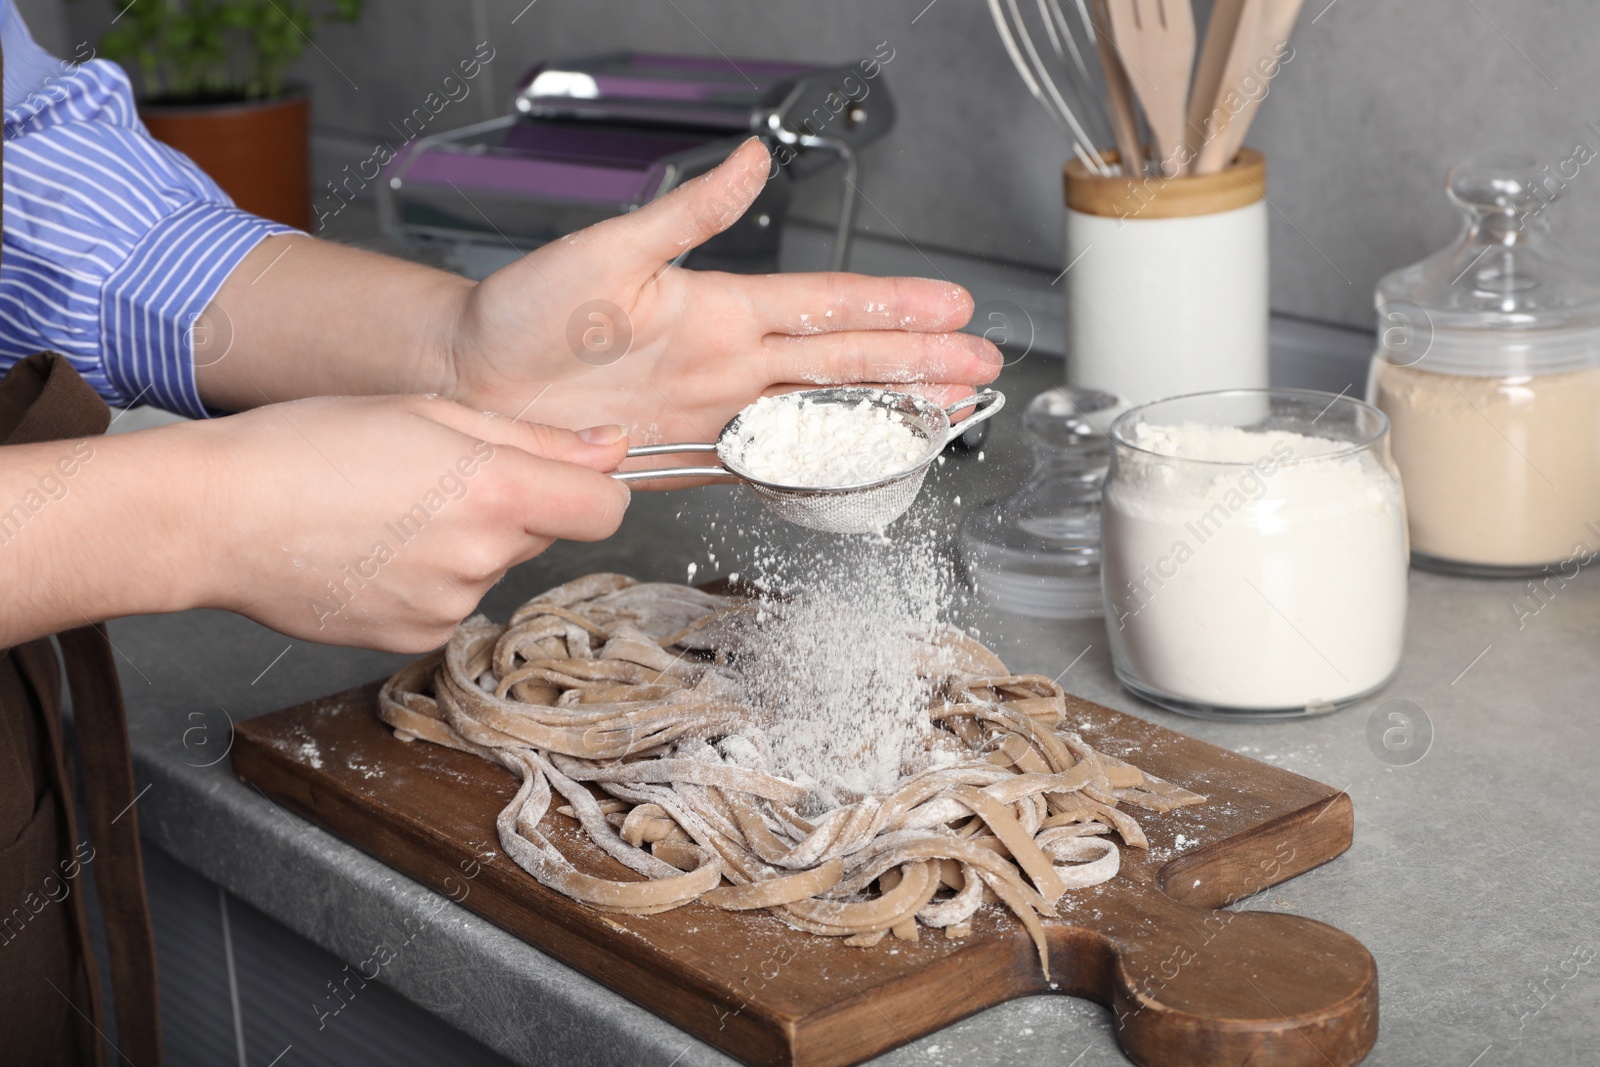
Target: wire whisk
1080 111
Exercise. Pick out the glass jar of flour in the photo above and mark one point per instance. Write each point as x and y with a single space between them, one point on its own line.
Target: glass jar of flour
1254 553
1488 366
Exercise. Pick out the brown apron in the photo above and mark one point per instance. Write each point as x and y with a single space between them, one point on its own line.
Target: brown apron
49 989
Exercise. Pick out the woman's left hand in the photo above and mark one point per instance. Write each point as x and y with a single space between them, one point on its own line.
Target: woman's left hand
599 328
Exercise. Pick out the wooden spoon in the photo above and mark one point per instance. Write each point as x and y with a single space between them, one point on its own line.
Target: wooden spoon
1119 97
1155 40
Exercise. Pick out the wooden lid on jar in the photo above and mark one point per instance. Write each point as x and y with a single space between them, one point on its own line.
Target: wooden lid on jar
1154 197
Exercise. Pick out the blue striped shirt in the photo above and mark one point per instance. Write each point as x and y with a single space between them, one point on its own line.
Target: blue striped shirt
113 242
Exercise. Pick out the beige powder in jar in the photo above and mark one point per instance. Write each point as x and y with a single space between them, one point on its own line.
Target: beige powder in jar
1499 471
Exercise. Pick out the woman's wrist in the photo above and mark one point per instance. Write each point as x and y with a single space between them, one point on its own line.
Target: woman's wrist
444 334
193 510
153 513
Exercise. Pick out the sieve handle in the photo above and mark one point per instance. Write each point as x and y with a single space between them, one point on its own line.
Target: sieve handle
672 472
985 402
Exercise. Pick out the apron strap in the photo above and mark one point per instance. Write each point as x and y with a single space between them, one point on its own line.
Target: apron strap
43 398
107 761
40 670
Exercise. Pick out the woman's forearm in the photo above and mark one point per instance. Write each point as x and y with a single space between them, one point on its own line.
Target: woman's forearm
301 317
371 521
95 528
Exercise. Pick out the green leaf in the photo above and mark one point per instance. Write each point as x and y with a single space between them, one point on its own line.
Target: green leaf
223 47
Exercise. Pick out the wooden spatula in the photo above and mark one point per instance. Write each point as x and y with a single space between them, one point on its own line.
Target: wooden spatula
1155 40
1272 30
1221 31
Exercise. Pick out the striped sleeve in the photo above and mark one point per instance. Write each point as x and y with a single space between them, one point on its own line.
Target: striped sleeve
113 243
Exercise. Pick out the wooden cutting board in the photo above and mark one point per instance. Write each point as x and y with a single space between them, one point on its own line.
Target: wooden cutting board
1187 984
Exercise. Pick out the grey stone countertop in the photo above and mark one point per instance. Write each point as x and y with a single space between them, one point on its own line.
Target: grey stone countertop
1471 880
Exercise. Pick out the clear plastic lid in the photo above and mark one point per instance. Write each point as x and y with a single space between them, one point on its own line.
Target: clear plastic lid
1504 298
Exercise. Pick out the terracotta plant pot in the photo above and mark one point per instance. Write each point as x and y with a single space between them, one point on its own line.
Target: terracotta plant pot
258 151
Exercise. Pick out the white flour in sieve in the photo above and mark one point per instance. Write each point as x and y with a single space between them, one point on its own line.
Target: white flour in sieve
795 441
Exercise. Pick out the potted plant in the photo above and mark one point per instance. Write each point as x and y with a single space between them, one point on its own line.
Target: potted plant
212 79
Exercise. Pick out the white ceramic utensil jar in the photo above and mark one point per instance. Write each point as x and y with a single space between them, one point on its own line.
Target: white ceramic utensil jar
1166 281
1254 553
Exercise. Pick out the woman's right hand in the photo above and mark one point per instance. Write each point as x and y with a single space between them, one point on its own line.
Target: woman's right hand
382 521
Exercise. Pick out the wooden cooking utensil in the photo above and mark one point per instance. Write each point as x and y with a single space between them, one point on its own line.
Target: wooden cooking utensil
1119 96
1155 39
1276 21
1221 30
1241 53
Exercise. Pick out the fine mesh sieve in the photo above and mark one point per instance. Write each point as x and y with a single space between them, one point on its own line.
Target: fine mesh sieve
865 507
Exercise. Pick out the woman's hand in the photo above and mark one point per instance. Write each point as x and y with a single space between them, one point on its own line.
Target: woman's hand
598 327
382 522
377 521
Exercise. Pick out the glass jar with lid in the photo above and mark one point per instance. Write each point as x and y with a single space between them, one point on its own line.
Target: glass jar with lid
1488 366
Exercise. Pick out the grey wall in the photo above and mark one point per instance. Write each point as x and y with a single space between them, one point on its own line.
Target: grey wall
1378 99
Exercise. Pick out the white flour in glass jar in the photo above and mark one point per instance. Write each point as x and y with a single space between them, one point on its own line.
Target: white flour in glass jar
795 441
1253 569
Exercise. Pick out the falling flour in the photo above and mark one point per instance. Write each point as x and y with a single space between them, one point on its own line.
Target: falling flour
796 441
841 671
